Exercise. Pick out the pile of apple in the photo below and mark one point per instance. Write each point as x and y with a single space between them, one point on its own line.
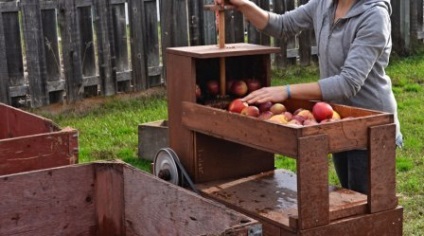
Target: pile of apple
321 112
236 88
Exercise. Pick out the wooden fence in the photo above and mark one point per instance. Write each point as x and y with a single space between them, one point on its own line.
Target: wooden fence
65 50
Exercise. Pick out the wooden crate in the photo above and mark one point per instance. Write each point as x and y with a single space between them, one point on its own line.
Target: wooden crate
30 142
231 156
108 199
152 136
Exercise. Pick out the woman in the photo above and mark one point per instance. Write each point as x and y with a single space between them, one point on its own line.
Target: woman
354 44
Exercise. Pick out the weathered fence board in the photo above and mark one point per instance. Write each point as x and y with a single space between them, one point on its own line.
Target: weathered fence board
91 54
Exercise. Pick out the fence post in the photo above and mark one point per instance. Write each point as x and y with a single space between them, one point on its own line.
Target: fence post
35 54
71 50
234 29
174 26
152 43
305 44
106 46
254 36
4 73
417 33
401 26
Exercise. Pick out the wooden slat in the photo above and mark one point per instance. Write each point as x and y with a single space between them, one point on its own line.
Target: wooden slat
382 195
85 24
222 124
109 195
138 52
305 43
57 201
11 6
35 52
312 182
124 76
83 3
18 91
51 46
383 223
70 47
58 85
280 60
106 46
40 151
255 36
120 37
48 5
207 25
152 42
4 73
234 30
231 50
181 212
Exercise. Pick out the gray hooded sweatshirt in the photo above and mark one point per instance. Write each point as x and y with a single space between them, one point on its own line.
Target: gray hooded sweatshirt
353 52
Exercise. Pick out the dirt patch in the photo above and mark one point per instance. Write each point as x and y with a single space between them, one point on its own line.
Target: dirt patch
88 104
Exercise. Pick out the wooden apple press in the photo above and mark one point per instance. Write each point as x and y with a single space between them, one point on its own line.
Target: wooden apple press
220 10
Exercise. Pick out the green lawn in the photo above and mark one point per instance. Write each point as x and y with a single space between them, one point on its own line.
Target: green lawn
109 130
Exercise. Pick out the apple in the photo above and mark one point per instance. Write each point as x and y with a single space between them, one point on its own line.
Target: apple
307 114
237 105
250 111
229 84
278 119
289 116
212 87
294 123
297 111
310 122
198 92
336 115
253 84
265 115
239 88
301 119
277 108
265 106
322 111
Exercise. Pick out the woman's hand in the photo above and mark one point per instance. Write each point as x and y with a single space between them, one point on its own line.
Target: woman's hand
267 94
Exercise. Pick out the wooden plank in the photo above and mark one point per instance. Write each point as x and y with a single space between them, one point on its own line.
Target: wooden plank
85 24
109 195
51 46
305 43
71 48
57 201
58 85
152 42
272 198
382 195
255 36
400 26
182 212
105 47
83 3
280 60
39 151
181 140
4 72
9 6
312 182
231 50
12 34
222 124
382 223
18 91
174 28
234 30
35 52
195 12
138 51
120 37
207 26
48 5
124 76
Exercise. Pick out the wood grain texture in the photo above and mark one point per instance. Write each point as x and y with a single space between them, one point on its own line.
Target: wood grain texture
382 168
4 72
156 207
312 182
57 201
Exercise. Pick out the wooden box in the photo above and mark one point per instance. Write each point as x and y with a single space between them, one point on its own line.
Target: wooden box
109 199
30 142
231 156
152 136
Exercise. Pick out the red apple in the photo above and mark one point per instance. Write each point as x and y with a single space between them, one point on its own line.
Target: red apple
229 85
288 115
277 108
253 84
250 111
297 111
294 123
265 115
301 119
265 106
307 114
239 88
322 111
212 87
237 105
198 92
278 119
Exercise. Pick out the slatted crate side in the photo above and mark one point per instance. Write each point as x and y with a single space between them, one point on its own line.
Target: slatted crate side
57 201
156 207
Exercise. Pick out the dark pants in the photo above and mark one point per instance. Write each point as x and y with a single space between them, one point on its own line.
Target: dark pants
352 169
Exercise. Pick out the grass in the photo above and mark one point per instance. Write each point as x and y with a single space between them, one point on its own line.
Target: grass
110 130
